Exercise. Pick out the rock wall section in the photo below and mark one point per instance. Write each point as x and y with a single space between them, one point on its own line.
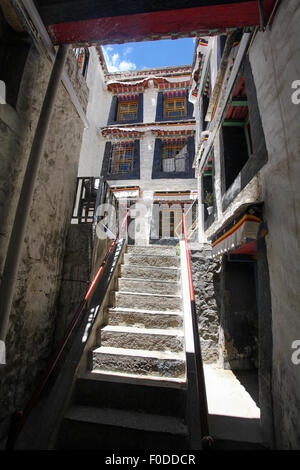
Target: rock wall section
206 285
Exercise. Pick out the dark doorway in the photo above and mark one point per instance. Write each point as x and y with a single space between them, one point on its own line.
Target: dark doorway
240 314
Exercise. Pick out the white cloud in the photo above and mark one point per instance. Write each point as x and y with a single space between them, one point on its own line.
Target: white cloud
115 63
127 51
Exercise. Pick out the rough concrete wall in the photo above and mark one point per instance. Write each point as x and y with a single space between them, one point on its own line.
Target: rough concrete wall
93 143
206 286
32 319
75 275
275 65
150 102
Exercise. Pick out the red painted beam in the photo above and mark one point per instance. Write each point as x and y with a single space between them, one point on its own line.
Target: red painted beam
156 25
246 249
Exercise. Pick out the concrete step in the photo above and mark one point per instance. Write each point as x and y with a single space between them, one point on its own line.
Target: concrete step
149 380
152 260
137 361
148 286
152 250
149 272
123 392
86 427
144 318
146 301
141 338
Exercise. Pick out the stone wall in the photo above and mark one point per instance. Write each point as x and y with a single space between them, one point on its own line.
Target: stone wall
33 317
206 287
275 66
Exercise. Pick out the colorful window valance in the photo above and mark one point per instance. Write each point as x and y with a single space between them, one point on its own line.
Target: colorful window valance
174 134
174 85
174 94
179 141
131 97
240 235
126 192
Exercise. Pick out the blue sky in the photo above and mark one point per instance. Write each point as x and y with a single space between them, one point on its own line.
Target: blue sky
148 54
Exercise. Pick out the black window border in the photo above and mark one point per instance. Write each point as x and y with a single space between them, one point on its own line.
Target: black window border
135 174
113 112
159 117
156 168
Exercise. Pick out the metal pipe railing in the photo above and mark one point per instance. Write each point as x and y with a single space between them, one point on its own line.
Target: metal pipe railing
207 440
20 416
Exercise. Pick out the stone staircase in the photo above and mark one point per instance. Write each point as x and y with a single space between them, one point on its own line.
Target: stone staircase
134 396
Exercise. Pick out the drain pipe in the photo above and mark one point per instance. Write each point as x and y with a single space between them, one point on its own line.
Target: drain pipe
9 276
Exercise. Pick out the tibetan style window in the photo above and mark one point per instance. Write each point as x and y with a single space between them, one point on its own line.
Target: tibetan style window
174 107
121 159
174 155
128 110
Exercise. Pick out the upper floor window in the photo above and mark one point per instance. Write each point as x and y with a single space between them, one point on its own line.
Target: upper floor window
128 110
174 107
121 158
174 155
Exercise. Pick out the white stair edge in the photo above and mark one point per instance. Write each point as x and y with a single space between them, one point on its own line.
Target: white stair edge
153 245
147 266
148 294
168 355
151 312
140 279
154 255
126 377
138 330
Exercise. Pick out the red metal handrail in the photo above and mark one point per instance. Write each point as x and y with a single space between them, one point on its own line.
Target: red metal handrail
200 381
19 417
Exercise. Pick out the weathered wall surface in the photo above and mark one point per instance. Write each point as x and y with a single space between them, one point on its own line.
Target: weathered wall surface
93 144
32 319
206 286
75 278
275 65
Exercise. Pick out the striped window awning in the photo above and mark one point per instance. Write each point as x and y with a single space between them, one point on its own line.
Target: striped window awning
240 235
172 203
124 144
131 97
203 42
173 134
179 141
174 85
126 192
124 90
121 134
174 94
